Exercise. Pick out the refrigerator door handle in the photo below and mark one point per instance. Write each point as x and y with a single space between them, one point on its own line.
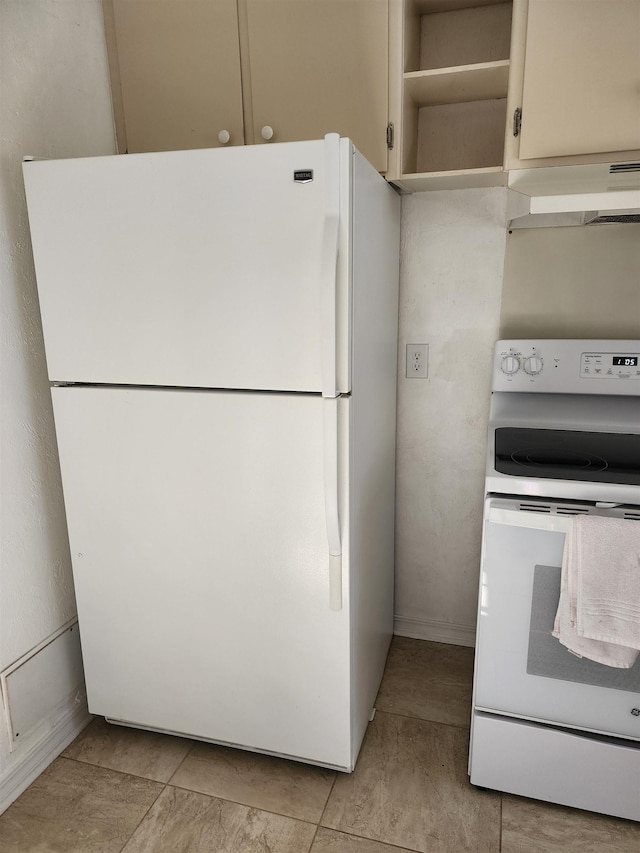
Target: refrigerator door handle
331 505
329 263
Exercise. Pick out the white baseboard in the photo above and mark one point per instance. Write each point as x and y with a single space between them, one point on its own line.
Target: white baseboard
437 632
39 756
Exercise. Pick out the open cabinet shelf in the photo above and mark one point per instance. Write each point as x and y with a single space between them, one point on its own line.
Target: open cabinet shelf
491 176
479 82
455 82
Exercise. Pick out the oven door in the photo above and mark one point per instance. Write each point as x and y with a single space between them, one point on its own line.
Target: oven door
521 669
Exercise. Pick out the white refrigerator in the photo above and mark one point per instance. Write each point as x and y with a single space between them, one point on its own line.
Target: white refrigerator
220 330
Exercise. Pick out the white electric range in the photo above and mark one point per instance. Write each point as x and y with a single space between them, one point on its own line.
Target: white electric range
564 440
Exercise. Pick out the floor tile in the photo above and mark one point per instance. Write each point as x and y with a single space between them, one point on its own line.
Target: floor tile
530 825
431 681
410 788
186 822
329 841
76 808
274 784
141 753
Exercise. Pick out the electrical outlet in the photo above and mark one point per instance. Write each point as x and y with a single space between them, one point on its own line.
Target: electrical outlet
417 361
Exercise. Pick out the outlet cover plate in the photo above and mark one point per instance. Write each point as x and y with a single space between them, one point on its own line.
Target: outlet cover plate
417 361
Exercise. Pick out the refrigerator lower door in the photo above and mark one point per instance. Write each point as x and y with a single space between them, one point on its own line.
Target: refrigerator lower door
201 564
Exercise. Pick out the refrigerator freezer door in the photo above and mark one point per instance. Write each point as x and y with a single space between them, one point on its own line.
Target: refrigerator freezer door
208 268
201 565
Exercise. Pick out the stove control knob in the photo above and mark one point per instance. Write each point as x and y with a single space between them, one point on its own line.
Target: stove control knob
510 364
533 365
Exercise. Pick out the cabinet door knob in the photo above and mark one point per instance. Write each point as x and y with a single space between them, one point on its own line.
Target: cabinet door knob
266 132
223 137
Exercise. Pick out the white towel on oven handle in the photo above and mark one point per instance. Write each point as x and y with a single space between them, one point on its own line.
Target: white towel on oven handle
598 614
608 553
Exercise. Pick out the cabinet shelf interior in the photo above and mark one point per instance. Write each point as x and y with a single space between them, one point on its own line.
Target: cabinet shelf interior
429 7
490 176
480 82
458 36
468 135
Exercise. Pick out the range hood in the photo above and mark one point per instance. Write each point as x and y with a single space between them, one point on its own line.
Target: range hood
595 194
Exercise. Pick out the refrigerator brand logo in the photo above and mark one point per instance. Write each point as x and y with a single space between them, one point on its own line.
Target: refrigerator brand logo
303 176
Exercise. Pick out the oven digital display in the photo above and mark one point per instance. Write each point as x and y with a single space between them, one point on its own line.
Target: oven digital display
626 360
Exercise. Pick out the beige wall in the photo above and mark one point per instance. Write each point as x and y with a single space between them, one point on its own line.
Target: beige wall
54 103
581 282
450 285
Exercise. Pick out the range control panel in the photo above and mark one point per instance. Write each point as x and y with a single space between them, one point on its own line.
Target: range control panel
567 366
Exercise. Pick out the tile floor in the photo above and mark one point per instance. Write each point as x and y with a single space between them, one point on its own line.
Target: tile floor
117 790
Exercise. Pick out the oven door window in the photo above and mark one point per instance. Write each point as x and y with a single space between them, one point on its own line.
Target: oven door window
521 669
549 658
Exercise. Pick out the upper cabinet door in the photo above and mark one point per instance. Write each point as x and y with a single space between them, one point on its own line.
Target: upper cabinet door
175 71
320 66
581 78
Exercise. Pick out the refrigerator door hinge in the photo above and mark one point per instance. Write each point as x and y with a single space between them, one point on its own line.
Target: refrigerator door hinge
390 136
517 121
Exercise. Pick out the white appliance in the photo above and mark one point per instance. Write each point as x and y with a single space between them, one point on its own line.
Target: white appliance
564 440
220 330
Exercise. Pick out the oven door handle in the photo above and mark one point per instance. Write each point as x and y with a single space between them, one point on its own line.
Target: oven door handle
532 520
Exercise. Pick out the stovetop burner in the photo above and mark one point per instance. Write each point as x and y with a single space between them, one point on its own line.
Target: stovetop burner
546 457
568 455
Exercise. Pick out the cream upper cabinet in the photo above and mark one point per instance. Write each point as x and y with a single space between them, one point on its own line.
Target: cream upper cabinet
175 73
319 66
203 73
576 81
